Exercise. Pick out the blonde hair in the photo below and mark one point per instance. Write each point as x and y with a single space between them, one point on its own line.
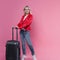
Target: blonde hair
28 7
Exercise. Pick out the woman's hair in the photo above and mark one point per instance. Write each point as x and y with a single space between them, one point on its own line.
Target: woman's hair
26 6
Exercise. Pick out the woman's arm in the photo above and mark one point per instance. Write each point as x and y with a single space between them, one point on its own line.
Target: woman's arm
20 23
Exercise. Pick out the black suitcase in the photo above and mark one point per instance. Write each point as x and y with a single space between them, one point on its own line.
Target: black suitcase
13 47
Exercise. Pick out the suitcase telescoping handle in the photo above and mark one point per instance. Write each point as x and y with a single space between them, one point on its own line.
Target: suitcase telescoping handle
13 33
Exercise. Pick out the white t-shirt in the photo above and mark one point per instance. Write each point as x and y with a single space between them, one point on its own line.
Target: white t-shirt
25 17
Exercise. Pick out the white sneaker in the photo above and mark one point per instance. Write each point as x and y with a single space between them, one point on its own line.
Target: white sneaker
34 57
23 57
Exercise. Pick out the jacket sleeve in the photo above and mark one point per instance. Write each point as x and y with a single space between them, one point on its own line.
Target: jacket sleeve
20 24
27 22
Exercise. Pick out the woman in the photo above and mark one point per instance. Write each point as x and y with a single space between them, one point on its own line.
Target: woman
25 28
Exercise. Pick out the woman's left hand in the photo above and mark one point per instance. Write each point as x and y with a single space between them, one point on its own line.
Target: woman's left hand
23 29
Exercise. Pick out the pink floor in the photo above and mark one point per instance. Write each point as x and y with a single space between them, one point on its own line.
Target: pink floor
45 33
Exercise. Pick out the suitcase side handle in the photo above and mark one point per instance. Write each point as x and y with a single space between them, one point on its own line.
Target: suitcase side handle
13 33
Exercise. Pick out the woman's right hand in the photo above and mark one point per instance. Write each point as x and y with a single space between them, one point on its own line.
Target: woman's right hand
16 27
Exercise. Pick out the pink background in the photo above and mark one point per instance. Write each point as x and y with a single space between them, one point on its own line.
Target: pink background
45 32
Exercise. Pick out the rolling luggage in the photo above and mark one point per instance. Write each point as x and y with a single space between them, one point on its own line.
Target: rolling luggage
13 47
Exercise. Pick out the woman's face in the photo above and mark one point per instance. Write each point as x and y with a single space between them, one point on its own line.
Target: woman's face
26 10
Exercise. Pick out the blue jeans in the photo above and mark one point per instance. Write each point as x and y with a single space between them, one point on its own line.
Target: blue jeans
25 37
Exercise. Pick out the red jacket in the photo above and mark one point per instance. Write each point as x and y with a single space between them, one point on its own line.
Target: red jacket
26 23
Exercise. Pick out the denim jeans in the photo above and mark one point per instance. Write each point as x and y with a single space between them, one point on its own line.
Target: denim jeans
25 37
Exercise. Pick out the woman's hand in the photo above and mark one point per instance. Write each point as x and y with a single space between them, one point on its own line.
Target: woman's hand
16 27
23 29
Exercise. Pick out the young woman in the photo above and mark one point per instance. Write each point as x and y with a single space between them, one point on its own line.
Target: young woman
25 28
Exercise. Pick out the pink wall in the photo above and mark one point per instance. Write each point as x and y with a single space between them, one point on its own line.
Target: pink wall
45 32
